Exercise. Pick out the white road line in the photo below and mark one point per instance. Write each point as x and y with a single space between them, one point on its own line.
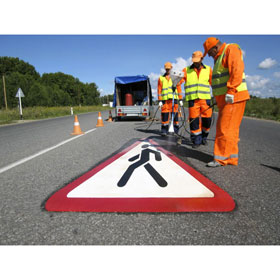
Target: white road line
3 169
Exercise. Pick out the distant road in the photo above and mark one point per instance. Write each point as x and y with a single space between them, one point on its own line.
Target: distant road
51 158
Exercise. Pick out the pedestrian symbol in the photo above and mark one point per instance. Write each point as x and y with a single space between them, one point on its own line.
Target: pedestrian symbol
142 178
144 158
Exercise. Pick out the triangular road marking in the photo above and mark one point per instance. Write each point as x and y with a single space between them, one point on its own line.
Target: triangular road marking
142 178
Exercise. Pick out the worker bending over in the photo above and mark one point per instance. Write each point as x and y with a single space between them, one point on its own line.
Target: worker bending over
197 78
230 90
165 97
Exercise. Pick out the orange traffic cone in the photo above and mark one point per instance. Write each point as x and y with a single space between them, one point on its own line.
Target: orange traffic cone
110 117
99 120
77 129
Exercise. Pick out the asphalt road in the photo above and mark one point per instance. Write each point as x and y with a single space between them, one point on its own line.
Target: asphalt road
24 189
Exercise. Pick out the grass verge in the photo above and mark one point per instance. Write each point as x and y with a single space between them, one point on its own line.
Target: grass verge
36 113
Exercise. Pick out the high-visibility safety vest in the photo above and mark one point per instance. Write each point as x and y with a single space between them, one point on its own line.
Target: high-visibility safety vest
220 77
166 92
197 87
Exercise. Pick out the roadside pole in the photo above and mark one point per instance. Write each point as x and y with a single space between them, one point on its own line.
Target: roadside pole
5 95
19 95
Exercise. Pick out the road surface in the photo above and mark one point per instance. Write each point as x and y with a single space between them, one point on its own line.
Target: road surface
25 186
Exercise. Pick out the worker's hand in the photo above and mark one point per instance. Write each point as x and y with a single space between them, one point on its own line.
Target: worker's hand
229 98
173 88
160 104
181 103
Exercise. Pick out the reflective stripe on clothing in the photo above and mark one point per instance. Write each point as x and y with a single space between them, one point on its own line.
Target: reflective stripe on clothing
196 133
224 85
200 92
166 91
224 158
220 75
205 129
195 85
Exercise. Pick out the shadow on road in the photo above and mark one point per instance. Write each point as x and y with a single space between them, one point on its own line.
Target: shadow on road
169 143
272 167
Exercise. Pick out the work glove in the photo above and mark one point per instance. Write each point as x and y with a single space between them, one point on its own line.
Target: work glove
229 98
181 103
160 104
173 88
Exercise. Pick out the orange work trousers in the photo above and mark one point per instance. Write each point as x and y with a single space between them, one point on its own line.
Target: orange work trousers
167 110
227 132
200 116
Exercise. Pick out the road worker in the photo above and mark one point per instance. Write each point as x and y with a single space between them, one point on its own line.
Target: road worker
165 97
197 78
230 90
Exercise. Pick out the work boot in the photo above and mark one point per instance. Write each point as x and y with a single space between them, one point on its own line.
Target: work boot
213 164
204 142
163 133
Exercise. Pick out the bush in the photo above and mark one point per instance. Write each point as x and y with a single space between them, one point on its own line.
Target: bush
263 108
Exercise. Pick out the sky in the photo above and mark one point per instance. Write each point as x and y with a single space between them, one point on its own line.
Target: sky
100 58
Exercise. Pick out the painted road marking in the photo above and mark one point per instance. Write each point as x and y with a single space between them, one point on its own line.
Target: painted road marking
140 182
142 178
12 165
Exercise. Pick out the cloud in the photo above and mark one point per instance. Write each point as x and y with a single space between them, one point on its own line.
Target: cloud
267 63
103 93
179 64
154 81
263 87
257 85
243 53
276 74
256 82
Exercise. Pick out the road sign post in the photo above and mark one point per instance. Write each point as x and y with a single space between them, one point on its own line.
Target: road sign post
19 95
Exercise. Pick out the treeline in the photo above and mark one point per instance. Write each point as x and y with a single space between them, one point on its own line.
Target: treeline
106 99
50 89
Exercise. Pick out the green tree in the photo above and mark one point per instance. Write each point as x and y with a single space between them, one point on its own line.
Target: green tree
52 89
9 65
38 95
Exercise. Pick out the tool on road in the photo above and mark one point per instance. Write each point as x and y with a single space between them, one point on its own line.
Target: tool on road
77 129
176 77
99 120
184 121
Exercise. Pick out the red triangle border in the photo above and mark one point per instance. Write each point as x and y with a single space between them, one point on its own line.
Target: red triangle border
221 202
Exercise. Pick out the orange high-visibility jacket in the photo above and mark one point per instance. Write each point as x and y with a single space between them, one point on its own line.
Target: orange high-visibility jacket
233 61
